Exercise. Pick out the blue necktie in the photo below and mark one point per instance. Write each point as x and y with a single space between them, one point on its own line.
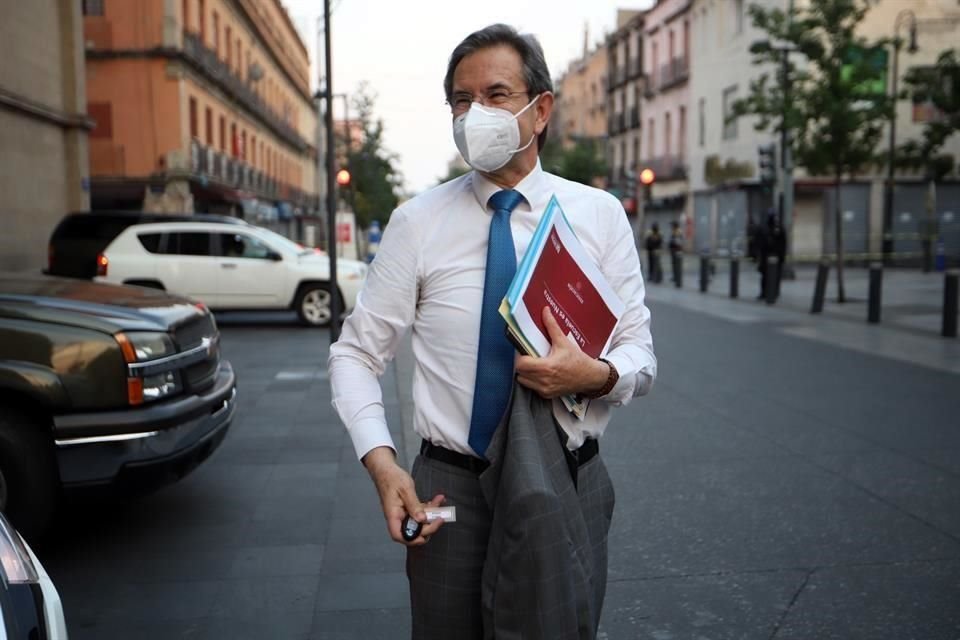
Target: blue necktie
495 354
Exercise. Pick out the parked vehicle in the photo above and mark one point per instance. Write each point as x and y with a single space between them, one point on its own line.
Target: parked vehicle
81 236
102 386
30 607
230 267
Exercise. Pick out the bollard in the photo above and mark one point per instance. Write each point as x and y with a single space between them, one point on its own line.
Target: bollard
949 329
770 290
820 289
734 277
704 273
678 269
876 289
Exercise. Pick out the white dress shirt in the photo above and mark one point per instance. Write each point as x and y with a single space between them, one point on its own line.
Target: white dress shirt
428 276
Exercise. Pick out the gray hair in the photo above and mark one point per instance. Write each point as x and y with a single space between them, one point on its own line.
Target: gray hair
535 71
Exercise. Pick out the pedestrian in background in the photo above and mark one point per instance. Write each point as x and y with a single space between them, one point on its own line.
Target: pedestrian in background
653 244
444 264
676 251
771 242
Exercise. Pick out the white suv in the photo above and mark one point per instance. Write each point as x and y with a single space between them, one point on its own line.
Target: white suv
229 266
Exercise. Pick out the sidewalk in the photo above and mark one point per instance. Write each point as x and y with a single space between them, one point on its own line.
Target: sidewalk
910 299
911 309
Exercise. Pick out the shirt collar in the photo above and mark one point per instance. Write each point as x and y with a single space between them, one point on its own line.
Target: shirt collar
533 188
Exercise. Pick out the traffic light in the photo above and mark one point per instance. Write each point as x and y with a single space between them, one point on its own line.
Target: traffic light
343 177
647 178
766 163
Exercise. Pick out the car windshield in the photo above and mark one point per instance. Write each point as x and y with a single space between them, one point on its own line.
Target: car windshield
286 243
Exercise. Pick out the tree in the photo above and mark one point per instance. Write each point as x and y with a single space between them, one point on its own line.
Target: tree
583 162
375 180
834 103
937 89
455 168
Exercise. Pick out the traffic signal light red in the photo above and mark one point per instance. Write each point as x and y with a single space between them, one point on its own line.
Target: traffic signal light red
343 177
647 177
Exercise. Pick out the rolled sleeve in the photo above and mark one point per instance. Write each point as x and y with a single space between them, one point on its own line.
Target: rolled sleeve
371 335
631 349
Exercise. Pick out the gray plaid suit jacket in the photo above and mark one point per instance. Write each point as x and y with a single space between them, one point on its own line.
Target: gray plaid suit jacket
546 567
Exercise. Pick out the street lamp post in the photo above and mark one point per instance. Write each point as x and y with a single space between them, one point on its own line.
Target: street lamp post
331 184
904 16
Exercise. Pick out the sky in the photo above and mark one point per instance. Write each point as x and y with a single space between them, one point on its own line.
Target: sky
401 50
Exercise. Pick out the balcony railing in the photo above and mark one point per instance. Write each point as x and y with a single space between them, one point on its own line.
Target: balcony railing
220 73
233 172
668 167
673 73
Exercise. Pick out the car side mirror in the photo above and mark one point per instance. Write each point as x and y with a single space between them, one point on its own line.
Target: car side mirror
273 255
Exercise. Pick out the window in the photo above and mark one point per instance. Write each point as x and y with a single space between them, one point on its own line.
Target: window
227 36
188 244
636 152
682 132
729 124
201 4
651 148
186 15
92 7
239 59
702 122
193 118
671 47
223 134
209 122
239 245
150 241
216 33
234 141
253 150
667 135
243 145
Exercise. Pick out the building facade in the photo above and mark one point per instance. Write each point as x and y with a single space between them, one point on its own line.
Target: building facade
916 209
625 87
666 66
200 105
580 110
722 152
724 177
43 126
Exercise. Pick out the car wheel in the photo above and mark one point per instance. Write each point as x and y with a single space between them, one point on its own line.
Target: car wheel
29 484
313 305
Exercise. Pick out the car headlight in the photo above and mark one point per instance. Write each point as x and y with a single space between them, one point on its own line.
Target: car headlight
140 347
17 563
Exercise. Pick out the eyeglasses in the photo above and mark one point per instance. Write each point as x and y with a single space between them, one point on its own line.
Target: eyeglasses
460 102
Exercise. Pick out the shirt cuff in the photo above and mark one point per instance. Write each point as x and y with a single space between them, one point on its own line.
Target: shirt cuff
368 434
625 389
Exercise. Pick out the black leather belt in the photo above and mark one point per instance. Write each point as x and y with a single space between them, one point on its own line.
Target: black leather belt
476 465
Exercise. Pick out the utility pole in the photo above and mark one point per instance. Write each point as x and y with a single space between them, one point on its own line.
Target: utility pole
331 184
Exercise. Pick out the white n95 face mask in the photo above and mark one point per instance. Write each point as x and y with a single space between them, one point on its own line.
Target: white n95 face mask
487 137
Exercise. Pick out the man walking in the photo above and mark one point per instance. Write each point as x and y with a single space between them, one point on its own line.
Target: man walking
443 266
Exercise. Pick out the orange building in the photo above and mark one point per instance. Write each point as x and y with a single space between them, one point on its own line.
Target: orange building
200 105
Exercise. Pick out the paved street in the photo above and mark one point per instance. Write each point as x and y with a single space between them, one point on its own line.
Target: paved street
782 481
